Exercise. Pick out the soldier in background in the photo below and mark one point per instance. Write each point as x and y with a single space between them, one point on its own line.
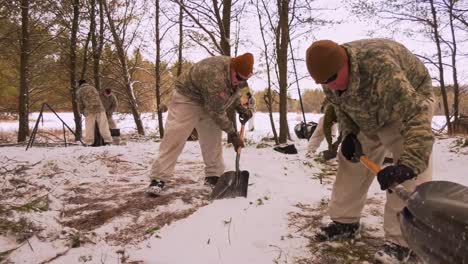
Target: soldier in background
252 106
90 106
326 127
202 95
383 97
110 103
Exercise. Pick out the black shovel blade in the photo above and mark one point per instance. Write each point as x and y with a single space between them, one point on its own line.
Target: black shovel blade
430 244
435 222
231 184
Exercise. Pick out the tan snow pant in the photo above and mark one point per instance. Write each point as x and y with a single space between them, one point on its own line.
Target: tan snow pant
185 115
90 121
353 180
318 136
111 122
252 122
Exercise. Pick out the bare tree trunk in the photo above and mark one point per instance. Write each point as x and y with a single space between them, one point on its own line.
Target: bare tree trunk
124 67
84 68
158 74
23 111
73 33
225 27
456 86
181 39
94 45
282 54
269 100
440 66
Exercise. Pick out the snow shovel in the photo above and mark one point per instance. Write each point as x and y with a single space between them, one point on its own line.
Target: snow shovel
434 222
232 183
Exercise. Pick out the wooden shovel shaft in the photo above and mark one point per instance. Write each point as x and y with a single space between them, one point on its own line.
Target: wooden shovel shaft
397 188
239 149
370 164
241 137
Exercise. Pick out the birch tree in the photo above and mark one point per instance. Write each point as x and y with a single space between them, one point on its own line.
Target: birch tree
122 56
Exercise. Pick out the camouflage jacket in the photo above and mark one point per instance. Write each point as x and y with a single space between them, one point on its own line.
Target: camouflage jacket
329 120
208 82
387 84
109 103
89 100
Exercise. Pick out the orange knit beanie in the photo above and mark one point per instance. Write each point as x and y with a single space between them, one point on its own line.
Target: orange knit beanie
243 64
324 58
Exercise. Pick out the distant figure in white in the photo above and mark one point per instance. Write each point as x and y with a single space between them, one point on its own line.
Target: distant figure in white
327 128
252 106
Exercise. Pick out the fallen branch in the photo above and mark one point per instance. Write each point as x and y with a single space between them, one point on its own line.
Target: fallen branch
58 255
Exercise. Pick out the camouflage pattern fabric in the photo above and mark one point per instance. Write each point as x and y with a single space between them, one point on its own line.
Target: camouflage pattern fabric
109 103
328 121
387 84
208 82
89 100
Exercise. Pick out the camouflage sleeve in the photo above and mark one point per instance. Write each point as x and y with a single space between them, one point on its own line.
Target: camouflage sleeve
399 97
347 126
243 90
214 101
328 121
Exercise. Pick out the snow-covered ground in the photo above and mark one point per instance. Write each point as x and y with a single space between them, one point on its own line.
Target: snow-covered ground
86 205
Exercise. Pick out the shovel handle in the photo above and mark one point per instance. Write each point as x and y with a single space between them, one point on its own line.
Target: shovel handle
239 149
241 135
369 164
397 188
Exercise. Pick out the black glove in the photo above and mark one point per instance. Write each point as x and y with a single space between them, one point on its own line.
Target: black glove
235 140
348 147
329 154
245 116
394 174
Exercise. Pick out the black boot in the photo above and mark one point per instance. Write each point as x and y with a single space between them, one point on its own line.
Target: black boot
155 188
392 253
211 180
335 231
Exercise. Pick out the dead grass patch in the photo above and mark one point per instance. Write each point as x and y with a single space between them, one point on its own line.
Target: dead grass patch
22 229
149 227
99 208
308 218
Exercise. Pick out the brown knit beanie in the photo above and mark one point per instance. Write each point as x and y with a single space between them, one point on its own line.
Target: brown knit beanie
324 58
243 64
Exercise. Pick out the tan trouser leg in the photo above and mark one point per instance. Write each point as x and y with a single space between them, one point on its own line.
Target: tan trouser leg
209 136
391 139
183 115
252 122
111 122
352 183
104 127
353 180
90 120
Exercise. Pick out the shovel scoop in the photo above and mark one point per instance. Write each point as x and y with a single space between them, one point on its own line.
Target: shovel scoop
434 222
232 183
